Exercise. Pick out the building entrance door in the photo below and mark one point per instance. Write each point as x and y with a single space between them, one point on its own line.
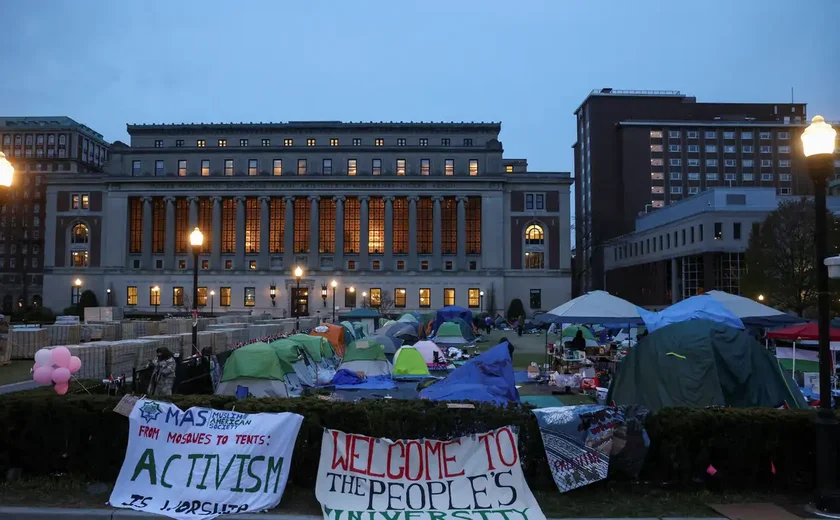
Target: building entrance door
300 301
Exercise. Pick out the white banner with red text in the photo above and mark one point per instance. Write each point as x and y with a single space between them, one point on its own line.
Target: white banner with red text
202 463
477 477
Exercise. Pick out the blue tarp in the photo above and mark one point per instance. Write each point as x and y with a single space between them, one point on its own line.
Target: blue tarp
347 380
448 314
488 377
695 308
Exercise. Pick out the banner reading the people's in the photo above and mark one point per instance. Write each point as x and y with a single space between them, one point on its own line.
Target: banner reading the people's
202 463
477 477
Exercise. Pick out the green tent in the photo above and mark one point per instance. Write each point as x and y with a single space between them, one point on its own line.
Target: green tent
349 331
408 318
257 360
317 347
450 329
287 350
571 332
702 363
368 349
409 362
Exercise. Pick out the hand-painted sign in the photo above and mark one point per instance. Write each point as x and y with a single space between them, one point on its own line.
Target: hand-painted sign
478 477
202 463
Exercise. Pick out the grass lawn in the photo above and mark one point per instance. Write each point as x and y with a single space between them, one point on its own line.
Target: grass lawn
605 499
16 372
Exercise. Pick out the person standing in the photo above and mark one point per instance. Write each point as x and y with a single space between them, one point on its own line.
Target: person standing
163 376
520 326
487 323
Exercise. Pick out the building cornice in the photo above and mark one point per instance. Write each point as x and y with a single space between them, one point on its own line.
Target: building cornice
313 126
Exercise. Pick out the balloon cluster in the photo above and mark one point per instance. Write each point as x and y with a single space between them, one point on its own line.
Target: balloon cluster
55 366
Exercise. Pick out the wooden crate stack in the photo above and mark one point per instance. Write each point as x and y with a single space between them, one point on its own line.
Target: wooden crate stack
104 331
25 341
93 360
129 330
262 331
146 328
64 334
171 341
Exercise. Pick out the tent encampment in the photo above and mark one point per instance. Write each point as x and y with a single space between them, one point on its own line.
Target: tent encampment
428 349
336 334
349 332
702 363
449 334
467 330
295 354
447 314
321 351
370 317
594 307
488 377
366 356
257 368
805 331
752 313
409 362
701 307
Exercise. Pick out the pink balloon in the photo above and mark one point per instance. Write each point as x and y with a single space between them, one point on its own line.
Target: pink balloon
43 375
61 388
61 375
75 364
61 356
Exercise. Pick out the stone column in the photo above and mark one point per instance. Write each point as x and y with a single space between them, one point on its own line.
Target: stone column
289 238
338 263
314 233
265 227
462 233
389 233
412 232
437 256
363 233
169 246
148 233
216 243
193 202
239 263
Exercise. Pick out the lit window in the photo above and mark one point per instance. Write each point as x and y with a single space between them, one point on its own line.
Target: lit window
379 141
253 167
656 162
425 298
154 296
376 167
656 148
288 142
79 258
376 297
131 295
80 234
205 168
310 142
301 168
424 141
509 168
657 189
399 298
400 167
473 167
277 167
177 296
534 235
229 167
326 166
182 168
425 166
201 143
333 141
224 296
424 265
656 134
448 297
449 167
222 142
357 141
202 297
535 260
75 201
266 142
252 265
351 167
473 298
243 142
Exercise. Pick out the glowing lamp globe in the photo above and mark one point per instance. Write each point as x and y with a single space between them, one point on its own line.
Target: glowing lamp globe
818 138
196 238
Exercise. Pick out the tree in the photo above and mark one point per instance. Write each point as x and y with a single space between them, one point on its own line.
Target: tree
780 257
516 309
491 301
386 303
87 299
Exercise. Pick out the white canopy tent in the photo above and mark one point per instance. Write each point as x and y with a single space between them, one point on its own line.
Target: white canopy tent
594 307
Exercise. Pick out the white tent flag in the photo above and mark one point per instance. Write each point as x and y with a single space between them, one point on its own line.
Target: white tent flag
478 477
203 463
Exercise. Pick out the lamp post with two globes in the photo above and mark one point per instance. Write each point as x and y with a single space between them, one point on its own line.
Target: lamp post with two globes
196 241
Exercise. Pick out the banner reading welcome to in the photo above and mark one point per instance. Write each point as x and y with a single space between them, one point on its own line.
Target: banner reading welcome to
203 463
477 477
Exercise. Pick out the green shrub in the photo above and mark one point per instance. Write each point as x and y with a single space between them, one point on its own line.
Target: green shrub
43 433
72 311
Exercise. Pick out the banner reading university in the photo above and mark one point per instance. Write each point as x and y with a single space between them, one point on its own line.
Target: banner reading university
477 477
203 463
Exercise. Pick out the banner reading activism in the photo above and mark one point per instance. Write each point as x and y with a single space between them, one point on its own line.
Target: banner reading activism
203 463
478 477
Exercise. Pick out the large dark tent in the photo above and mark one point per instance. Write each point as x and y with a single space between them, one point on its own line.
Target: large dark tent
702 363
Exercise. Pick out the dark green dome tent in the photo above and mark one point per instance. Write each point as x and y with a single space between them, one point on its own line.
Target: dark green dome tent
701 363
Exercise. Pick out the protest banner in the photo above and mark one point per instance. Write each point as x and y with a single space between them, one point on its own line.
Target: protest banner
477 477
202 463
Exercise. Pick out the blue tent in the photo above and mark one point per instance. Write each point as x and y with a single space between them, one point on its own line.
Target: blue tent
699 307
488 378
449 314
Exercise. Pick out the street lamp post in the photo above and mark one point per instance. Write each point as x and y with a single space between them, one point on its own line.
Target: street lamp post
196 241
364 299
818 146
324 293
108 297
481 301
156 297
77 284
353 292
298 275
334 284
761 297
212 295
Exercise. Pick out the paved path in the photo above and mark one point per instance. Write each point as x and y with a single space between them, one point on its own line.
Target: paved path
17 387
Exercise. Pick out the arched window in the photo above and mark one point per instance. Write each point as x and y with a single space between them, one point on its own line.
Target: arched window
534 235
80 234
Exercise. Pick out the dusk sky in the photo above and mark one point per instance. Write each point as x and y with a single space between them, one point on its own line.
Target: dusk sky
526 64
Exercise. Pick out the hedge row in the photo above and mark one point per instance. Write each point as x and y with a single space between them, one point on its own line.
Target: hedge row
81 435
